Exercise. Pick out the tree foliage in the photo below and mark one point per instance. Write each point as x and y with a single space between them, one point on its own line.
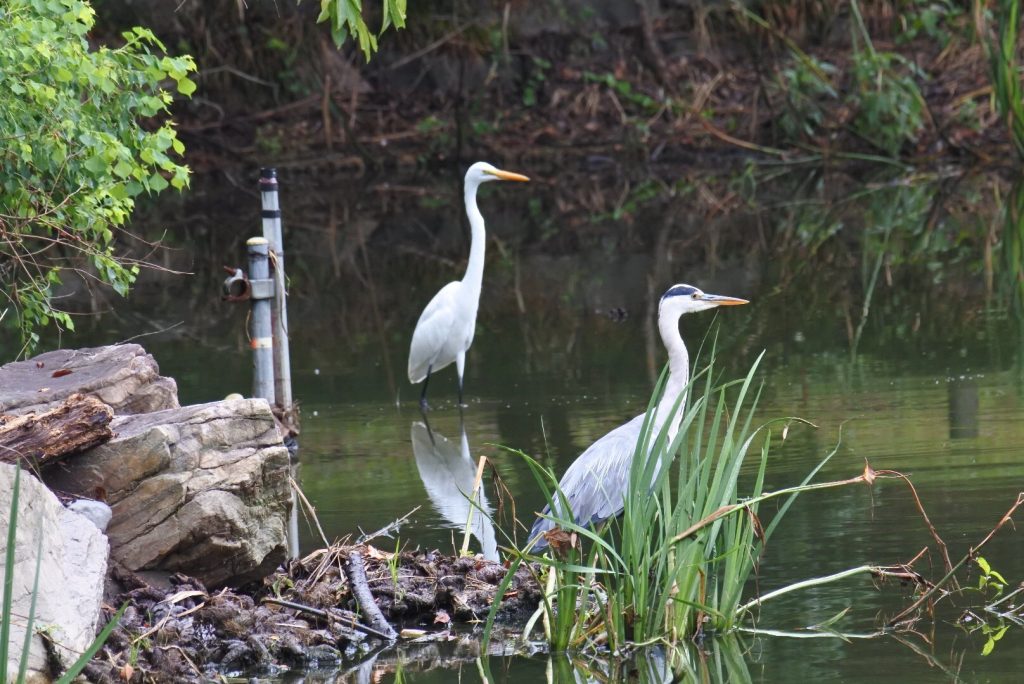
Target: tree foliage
346 19
84 132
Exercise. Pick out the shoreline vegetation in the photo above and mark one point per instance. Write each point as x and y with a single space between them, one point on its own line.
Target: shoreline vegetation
617 84
601 595
598 89
641 111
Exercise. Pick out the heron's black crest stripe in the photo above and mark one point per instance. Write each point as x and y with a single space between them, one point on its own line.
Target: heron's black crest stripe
679 291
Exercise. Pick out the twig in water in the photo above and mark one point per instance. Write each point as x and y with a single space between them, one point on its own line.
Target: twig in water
473 503
868 477
927 520
385 531
355 571
968 556
324 615
309 507
807 583
991 607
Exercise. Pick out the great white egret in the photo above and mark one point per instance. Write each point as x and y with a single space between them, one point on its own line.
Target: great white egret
448 474
445 329
596 482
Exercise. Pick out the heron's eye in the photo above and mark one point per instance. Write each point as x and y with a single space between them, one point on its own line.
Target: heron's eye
696 295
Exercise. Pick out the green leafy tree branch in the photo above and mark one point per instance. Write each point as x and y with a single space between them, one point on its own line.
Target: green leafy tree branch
83 132
345 18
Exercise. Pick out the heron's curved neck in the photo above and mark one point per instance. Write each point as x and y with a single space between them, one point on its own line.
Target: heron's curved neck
678 369
478 240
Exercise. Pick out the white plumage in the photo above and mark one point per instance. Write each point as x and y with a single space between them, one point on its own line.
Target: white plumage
445 329
448 474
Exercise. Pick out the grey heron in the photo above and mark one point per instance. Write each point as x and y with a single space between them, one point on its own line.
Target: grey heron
445 329
596 482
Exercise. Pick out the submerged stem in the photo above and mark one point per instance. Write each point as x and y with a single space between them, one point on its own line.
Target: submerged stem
815 581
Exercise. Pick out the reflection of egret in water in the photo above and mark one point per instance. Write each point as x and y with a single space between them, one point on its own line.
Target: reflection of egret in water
448 474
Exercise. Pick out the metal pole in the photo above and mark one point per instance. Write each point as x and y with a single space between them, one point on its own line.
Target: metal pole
262 339
271 215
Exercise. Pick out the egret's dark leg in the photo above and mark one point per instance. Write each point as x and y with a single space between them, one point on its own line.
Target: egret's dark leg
460 394
430 433
423 394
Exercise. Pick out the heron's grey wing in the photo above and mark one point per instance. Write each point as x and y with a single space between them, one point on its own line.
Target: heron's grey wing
432 331
595 483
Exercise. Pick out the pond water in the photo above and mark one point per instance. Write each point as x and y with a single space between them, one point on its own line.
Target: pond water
877 302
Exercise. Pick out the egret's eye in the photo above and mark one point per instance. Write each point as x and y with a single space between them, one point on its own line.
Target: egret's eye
696 295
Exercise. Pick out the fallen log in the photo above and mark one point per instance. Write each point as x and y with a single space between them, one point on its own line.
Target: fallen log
356 573
80 422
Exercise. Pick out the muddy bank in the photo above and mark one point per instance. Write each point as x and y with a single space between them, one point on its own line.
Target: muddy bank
591 85
302 616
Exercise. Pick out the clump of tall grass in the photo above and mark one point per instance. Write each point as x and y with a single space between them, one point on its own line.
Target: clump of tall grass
676 562
1000 46
890 106
1013 249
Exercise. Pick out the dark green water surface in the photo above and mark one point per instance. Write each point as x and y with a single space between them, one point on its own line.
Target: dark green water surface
930 385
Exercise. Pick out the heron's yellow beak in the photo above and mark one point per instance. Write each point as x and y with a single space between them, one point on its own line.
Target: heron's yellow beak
507 175
724 301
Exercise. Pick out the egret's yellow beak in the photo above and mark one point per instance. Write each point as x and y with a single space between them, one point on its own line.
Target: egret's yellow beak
507 175
723 301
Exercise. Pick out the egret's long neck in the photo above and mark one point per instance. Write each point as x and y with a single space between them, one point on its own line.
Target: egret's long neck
678 370
475 268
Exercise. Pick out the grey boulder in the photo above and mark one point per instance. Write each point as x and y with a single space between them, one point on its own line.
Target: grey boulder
201 490
123 376
72 564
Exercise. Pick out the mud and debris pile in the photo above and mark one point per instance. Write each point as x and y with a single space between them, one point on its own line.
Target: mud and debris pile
302 616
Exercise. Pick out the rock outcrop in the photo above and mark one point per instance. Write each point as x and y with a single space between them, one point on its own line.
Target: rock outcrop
201 490
123 376
72 566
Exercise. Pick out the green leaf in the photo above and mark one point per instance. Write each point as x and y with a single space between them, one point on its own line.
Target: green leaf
157 183
325 11
97 165
983 564
123 169
186 86
339 34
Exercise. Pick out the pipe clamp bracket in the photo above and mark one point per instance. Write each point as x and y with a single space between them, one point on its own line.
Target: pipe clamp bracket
262 288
